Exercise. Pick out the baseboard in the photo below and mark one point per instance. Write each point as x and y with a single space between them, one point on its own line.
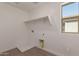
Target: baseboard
53 52
6 50
25 48
29 47
50 51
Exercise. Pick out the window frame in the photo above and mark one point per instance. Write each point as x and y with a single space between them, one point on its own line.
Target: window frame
69 17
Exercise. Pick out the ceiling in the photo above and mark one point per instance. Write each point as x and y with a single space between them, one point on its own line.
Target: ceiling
26 5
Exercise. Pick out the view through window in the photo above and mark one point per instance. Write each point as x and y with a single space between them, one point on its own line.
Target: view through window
70 17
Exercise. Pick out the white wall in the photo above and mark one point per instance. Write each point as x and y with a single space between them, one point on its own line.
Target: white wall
13 31
60 43
39 27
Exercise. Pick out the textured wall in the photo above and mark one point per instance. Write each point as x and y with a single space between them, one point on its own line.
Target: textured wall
13 31
60 43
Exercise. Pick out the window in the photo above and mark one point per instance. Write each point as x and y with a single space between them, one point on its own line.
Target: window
71 26
70 17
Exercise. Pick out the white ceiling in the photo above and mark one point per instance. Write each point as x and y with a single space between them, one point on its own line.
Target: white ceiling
26 5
